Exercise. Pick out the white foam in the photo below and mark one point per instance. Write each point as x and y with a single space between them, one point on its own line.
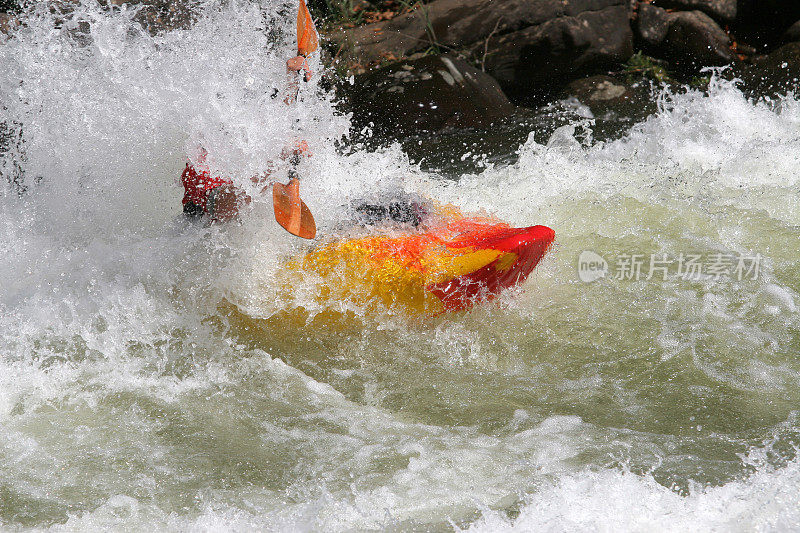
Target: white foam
609 500
129 397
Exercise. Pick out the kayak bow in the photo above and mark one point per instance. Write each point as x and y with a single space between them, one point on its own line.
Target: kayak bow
448 267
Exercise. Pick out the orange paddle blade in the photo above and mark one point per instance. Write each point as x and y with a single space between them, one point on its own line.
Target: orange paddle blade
307 38
291 212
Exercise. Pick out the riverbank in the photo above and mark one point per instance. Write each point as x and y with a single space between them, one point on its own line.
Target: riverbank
605 53
538 52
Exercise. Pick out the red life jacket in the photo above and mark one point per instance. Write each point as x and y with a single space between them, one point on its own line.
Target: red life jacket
197 183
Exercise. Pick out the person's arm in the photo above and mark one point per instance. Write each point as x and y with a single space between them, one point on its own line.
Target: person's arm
227 200
293 67
300 149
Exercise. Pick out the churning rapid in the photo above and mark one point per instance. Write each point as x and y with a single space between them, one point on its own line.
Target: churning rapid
156 374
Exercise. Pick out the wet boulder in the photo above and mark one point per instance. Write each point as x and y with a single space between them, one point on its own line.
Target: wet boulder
446 23
610 98
522 44
158 16
695 40
652 24
793 33
539 58
723 10
431 94
8 23
691 39
774 74
576 7
763 23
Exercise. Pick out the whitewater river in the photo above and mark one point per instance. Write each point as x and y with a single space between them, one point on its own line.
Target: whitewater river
156 375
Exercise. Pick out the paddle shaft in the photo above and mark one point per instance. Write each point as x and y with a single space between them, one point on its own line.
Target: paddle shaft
290 211
293 188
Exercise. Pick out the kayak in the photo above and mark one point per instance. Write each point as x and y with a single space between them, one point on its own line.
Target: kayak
448 266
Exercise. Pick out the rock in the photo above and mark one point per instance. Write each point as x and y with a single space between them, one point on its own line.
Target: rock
522 43
10 6
763 23
450 23
576 7
158 16
610 97
596 89
165 15
694 40
652 24
7 23
773 74
539 58
793 33
723 10
428 94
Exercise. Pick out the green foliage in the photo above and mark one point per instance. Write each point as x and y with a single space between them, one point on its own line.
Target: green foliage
343 11
700 82
640 65
423 9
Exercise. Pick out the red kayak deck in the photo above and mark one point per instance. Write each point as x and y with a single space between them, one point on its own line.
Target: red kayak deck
529 245
450 266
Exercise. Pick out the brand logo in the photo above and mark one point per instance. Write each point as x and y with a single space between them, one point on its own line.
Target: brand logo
591 266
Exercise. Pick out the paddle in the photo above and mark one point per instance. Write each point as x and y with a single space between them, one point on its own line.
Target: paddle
290 211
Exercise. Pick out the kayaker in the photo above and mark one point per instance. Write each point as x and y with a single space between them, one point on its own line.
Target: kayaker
218 199
216 196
